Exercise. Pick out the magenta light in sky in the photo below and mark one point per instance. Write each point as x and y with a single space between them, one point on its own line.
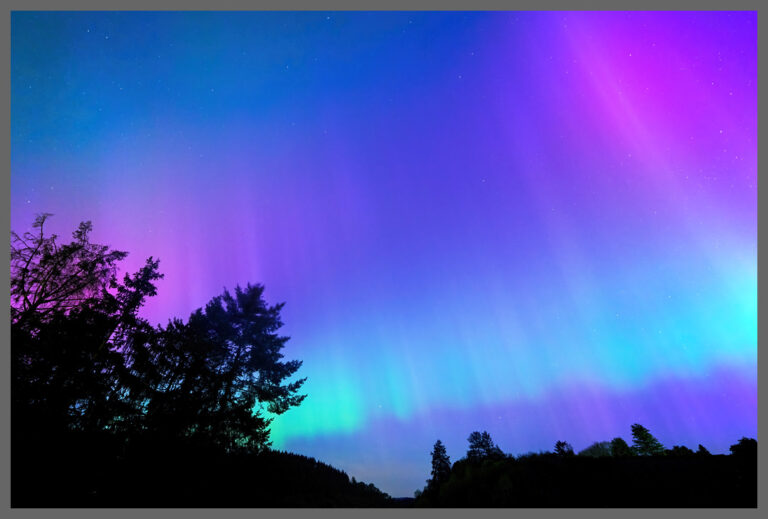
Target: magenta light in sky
542 225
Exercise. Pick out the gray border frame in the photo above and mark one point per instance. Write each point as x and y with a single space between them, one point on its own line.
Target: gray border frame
339 5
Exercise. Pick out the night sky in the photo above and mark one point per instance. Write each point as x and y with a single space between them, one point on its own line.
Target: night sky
543 225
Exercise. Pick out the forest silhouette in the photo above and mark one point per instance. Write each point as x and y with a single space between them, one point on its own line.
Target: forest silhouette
604 474
111 411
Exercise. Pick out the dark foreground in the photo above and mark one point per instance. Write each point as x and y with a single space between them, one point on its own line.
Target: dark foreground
111 411
84 472
79 475
578 481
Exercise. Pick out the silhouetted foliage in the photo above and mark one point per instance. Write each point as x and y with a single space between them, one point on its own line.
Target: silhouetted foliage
645 444
679 451
220 365
108 410
563 448
744 452
50 279
76 337
702 451
620 448
744 448
441 466
597 450
532 454
546 479
85 360
481 447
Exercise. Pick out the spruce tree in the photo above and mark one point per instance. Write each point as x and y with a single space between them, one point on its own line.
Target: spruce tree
441 466
645 444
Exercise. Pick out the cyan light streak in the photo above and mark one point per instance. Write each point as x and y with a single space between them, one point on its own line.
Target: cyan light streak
539 224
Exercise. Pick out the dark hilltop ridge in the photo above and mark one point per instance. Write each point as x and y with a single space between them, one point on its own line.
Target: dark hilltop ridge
82 471
75 474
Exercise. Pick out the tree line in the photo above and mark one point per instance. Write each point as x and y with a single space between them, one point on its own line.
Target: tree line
607 473
110 410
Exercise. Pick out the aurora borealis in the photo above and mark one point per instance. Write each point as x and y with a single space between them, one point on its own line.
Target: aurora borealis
539 224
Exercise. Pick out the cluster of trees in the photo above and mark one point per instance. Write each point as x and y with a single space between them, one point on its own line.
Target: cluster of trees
84 360
679 476
96 387
644 444
109 410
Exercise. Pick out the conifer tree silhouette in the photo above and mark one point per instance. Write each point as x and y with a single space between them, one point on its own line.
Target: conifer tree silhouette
441 466
644 443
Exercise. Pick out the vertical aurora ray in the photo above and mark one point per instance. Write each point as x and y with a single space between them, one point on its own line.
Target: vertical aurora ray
539 224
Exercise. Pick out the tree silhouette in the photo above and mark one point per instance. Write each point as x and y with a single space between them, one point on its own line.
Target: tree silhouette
48 278
645 444
75 332
563 449
602 475
620 449
441 466
541 480
744 448
222 370
83 359
702 451
597 450
481 446
679 451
